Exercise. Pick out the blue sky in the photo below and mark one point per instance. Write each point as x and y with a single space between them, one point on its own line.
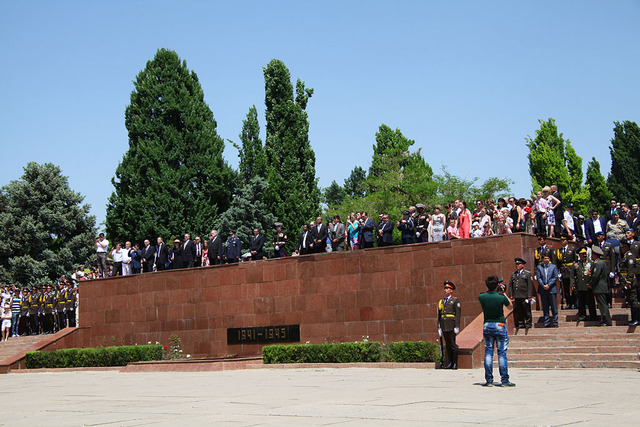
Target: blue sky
466 80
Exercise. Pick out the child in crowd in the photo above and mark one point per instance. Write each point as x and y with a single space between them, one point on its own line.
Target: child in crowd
452 230
477 231
5 315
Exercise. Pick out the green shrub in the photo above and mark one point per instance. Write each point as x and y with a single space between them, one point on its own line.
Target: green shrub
412 351
349 352
92 357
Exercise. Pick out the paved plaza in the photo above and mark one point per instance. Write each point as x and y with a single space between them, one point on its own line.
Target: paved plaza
321 396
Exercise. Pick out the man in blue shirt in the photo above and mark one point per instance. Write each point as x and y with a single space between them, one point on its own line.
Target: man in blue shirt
494 332
547 276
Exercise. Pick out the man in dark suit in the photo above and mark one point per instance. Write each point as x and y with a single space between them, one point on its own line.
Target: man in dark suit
136 259
385 230
188 252
148 256
337 235
257 245
305 241
215 249
367 231
608 215
197 262
162 253
319 233
547 277
592 225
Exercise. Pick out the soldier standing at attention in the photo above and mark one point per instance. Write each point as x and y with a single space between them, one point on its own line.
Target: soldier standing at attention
422 224
522 294
609 257
279 241
628 281
599 285
566 256
543 250
234 248
580 279
449 323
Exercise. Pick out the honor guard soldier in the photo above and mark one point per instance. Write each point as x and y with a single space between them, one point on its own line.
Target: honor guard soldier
522 293
599 284
634 248
32 313
279 241
543 250
49 310
405 225
628 281
422 224
566 257
609 258
70 305
24 309
61 298
580 279
449 323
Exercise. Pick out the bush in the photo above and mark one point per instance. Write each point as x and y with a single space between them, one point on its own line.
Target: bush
92 357
364 351
409 351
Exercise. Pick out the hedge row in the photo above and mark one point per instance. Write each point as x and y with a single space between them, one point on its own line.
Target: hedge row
366 351
92 357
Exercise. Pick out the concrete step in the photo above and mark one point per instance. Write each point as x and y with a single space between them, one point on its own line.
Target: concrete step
576 333
585 343
546 357
596 349
572 364
15 345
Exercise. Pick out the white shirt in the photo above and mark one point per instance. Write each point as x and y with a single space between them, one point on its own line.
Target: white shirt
596 225
100 247
117 256
569 218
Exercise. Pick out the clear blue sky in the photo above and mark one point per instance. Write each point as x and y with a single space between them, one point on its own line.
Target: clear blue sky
467 80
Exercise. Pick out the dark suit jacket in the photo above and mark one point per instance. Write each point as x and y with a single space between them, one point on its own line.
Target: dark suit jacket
589 230
136 256
367 230
149 254
163 255
215 250
387 231
308 239
319 235
176 253
189 251
233 249
257 243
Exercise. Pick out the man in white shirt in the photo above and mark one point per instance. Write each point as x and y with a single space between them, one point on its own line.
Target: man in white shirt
568 222
126 259
102 247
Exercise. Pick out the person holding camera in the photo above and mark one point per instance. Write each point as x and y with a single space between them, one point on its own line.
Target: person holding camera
102 247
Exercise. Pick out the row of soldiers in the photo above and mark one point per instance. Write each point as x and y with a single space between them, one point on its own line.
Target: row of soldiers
575 264
47 310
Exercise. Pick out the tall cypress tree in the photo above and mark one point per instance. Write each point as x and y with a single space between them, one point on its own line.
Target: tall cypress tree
547 162
253 160
173 178
600 194
624 178
293 195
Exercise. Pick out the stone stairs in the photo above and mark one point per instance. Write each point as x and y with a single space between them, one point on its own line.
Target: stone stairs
17 345
576 344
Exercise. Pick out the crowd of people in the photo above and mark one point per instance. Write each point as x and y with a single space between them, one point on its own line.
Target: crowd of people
44 309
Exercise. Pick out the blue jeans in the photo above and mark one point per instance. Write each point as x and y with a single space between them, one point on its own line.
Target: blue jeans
15 320
494 332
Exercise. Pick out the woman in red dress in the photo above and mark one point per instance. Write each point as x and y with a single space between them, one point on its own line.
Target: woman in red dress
464 222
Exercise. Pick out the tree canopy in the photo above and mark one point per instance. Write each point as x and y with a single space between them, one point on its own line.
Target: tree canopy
45 230
624 178
173 178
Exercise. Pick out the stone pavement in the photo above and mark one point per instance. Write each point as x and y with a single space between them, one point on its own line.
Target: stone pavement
321 396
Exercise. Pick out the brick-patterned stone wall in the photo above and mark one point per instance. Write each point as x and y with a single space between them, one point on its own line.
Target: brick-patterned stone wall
387 294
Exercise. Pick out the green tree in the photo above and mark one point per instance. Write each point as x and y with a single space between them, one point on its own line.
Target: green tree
598 190
253 160
356 184
578 194
248 211
173 178
293 195
334 194
547 162
624 178
45 230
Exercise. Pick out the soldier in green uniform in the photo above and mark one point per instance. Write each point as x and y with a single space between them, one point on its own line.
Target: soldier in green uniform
279 241
422 224
566 257
628 281
60 298
634 248
580 277
522 293
599 284
609 257
33 301
449 323
70 304
24 309
49 310
543 250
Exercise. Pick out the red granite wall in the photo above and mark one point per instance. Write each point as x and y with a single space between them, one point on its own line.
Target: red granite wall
387 294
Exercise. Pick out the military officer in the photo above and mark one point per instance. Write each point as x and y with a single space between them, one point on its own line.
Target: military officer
49 310
543 250
32 312
279 241
566 257
580 277
609 258
628 281
522 293
598 283
233 249
60 300
449 323
70 305
422 223
24 309
634 248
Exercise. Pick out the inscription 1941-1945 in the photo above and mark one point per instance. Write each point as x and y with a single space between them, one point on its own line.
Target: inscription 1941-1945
263 334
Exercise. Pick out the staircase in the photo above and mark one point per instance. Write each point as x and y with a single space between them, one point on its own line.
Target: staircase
576 345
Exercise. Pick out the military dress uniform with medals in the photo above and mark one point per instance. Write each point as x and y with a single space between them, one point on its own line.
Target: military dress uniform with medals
609 258
567 256
629 283
521 289
449 314
279 242
422 224
580 277
543 251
